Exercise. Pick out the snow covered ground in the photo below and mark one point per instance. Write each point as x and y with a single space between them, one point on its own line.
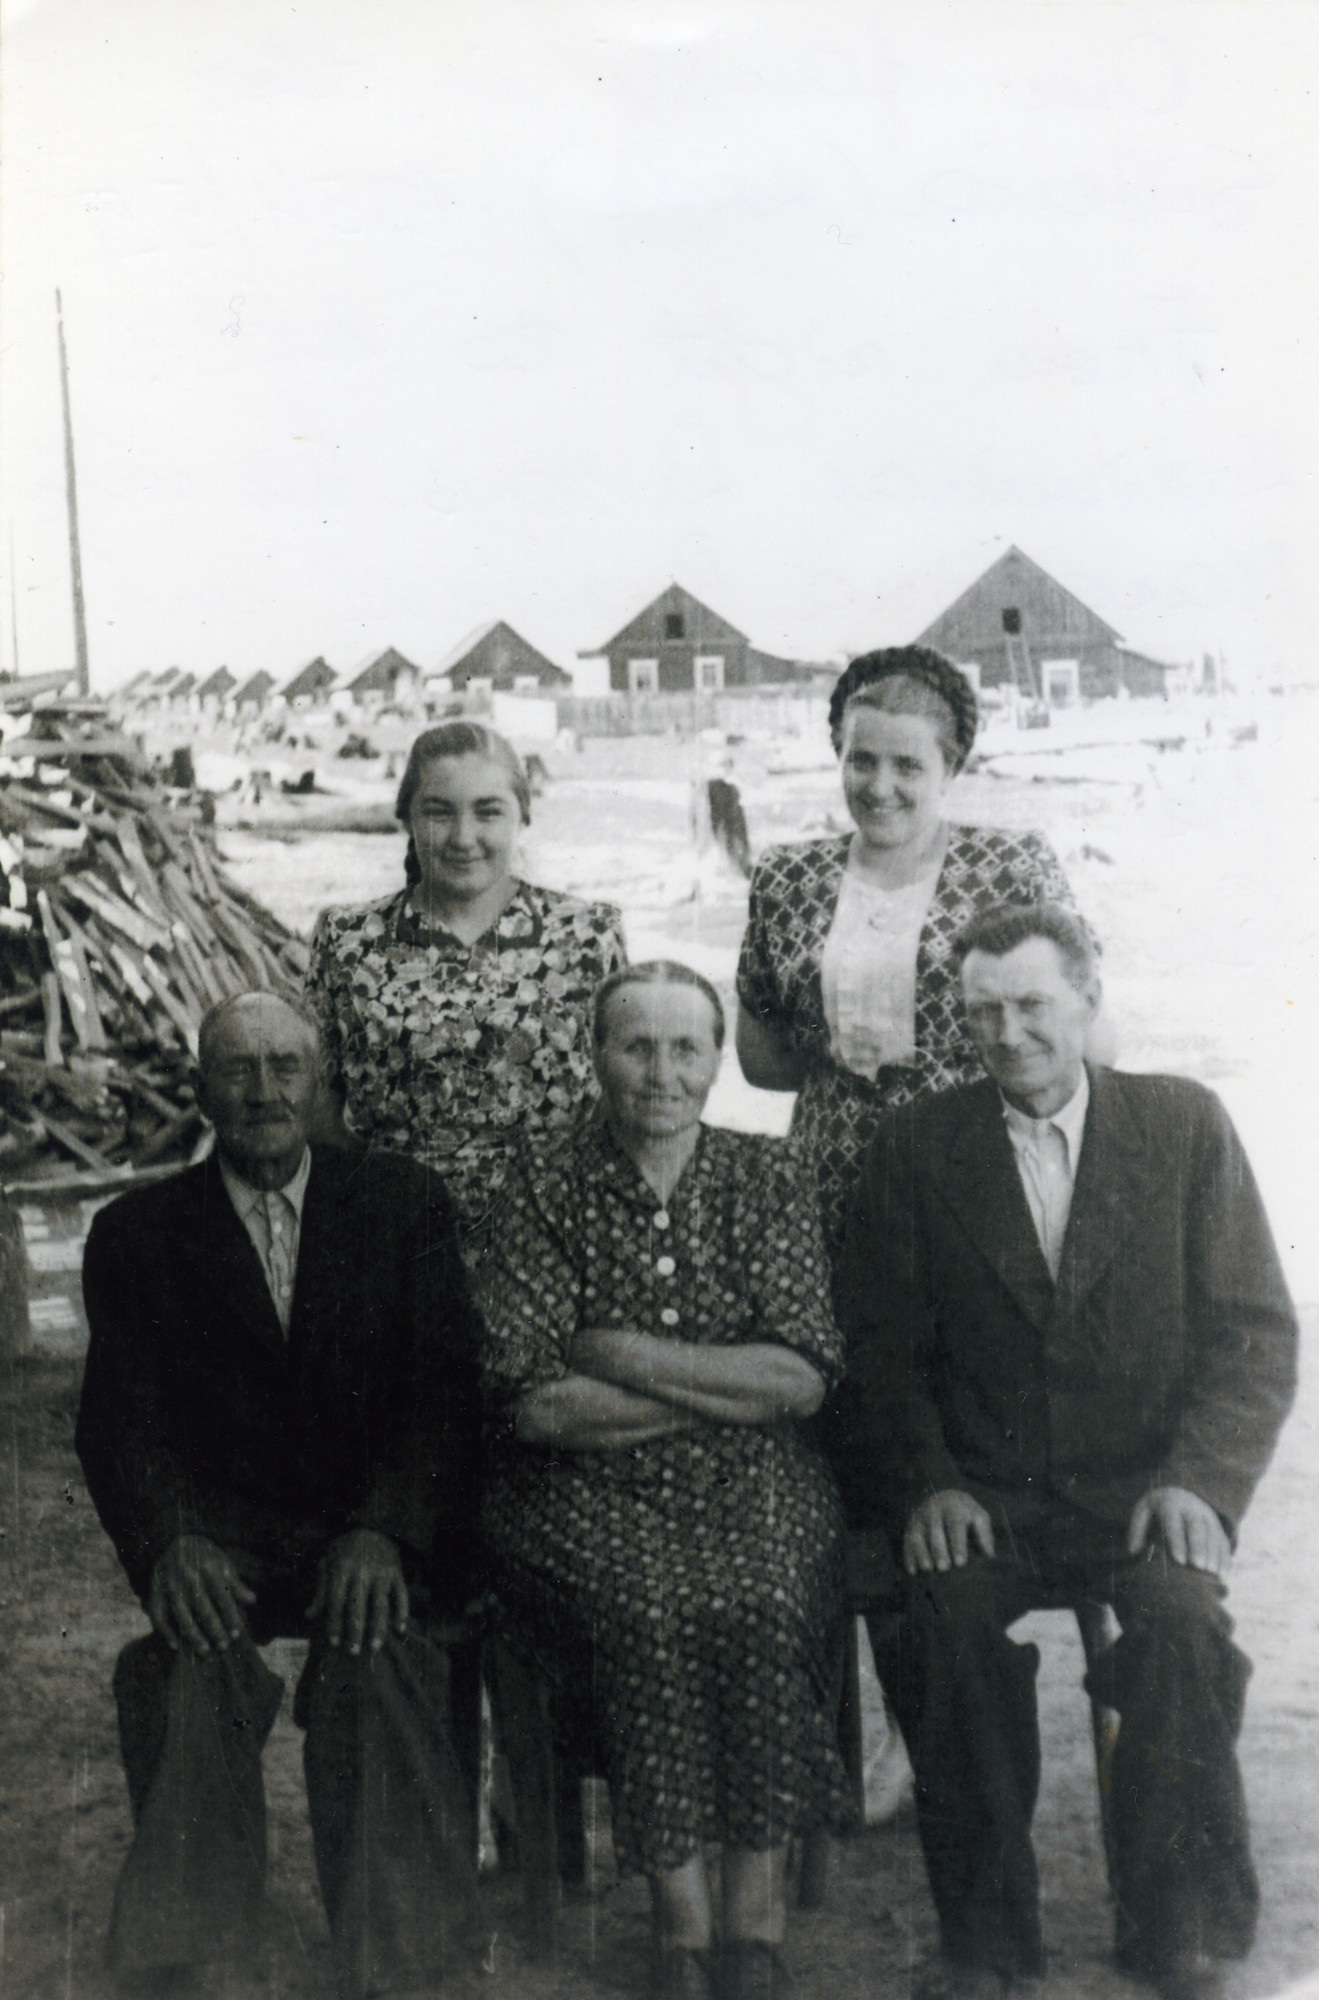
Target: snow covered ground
1199 866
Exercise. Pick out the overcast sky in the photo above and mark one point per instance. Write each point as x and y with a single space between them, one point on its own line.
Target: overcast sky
387 317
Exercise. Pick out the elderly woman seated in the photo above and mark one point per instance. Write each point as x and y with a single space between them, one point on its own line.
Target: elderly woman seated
657 1328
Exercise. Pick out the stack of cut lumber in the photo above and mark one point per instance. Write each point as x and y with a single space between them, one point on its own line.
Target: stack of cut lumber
118 930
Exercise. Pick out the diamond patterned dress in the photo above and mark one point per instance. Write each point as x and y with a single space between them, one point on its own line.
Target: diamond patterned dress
794 893
700 1574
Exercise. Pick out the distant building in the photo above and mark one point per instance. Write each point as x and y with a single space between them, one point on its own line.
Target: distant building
502 660
385 681
215 691
253 695
677 645
1020 626
310 687
182 693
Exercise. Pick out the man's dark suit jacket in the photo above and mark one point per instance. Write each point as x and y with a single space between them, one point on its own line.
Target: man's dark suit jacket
198 1416
1164 1355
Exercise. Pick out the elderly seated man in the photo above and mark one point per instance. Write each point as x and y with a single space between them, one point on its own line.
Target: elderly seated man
1071 1349
278 1428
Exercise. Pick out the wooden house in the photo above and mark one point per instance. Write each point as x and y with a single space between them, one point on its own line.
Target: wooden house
502 660
1018 625
252 696
182 693
310 686
214 692
386 681
677 645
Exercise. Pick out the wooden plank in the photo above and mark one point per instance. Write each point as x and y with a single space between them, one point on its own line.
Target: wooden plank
169 1135
86 1023
186 1024
15 1003
80 1186
130 842
127 967
50 1004
203 869
140 930
73 1144
39 802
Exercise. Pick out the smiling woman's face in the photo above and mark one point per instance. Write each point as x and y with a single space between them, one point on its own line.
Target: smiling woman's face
658 1059
894 776
464 821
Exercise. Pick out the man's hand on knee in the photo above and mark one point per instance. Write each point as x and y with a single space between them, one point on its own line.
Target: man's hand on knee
197 1596
1191 1530
940 1531
361 1591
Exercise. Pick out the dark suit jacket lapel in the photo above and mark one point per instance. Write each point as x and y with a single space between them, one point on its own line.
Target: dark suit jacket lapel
981 1185
319 1279
1109 1189
227 1265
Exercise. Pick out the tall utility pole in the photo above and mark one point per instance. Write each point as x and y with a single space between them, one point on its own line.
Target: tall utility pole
71 486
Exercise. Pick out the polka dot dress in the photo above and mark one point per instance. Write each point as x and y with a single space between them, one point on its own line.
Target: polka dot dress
698 1574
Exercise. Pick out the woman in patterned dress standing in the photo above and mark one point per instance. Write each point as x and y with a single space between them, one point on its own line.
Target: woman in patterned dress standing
657 1328
849 996
454 1012
847 991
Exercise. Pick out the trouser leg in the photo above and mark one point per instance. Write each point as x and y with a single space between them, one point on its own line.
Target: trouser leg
973 1735
1184 1877
191 1731
392 1817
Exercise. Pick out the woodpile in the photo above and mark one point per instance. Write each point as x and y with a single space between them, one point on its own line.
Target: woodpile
118 930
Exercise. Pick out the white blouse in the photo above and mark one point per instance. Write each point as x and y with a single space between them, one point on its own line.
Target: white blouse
868 971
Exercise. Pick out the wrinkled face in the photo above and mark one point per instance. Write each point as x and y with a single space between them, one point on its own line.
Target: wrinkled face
894 776
658 1059
465 821
259 1088
1029 1023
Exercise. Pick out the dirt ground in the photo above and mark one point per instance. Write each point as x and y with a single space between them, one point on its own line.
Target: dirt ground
1202 880
65 1829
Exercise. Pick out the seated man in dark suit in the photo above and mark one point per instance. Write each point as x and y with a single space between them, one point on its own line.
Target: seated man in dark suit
279 1428
1071 1349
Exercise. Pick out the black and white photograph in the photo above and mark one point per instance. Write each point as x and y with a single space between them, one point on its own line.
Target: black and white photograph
659 992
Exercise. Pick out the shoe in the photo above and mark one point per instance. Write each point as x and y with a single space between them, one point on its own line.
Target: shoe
682 1973
749 1969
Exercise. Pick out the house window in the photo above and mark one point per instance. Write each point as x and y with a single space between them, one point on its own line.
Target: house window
643 676
525 684
709 672
673 624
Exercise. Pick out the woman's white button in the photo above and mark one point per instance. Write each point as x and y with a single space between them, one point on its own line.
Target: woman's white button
665 1266
669 1317
662 1219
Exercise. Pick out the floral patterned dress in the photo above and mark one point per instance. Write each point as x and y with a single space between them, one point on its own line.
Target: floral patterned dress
697 1575
449 1052
794 894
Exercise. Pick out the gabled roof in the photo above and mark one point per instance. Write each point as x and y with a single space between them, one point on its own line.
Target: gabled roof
1014 573
311 679
256 687
220 682
137 680
165 679
381 672
699 622
495 646
183 685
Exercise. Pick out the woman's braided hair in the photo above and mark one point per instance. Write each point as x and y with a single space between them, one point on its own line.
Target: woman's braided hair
926 673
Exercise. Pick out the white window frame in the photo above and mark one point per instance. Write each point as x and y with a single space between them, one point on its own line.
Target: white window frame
643 676
708 673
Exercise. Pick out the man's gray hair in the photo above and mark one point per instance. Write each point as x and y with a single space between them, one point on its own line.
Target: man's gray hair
215 1018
